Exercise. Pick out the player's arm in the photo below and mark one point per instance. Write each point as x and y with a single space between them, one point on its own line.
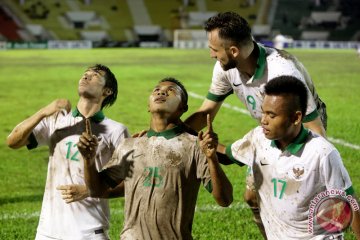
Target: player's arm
221 186
20 134
87 146
316 126
221 155
74 192
197 120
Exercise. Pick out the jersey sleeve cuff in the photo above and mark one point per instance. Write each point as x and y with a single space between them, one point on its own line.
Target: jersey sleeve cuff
209 187
310 117
350 191
231 157
217 98
32 142
109 181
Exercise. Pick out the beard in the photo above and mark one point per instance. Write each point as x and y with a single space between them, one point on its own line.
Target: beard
232 63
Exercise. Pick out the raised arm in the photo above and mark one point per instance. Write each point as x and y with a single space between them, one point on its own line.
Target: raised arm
97 187
197 120
222 188
20 134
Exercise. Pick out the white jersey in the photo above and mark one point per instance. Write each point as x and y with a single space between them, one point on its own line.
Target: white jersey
61 132
250 90
286 181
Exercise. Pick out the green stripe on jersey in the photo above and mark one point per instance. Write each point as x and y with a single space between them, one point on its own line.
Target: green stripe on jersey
231 157
350 191
218 98
260 68
168 134
209 187
32 142
97 117
311 116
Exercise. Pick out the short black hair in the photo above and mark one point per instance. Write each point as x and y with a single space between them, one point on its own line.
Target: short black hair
291 86
184 94
231 27
110 82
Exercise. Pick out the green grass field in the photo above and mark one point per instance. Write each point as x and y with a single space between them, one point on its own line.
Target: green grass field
30 79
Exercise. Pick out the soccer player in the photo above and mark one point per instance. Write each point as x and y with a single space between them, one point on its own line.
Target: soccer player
161 170
59 128
293 168
243 67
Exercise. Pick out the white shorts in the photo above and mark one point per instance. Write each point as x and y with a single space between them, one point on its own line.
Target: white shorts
96 235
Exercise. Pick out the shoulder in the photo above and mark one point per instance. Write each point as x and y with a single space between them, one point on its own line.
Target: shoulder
320 145
114 124
282 61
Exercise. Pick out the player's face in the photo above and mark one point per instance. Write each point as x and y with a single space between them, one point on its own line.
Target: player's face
165 98
219 52
91 84
276 121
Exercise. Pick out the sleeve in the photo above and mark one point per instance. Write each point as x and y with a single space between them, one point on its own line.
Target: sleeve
296 69
243 150
118 168
220 86
117 136
202 168
40 135
335 174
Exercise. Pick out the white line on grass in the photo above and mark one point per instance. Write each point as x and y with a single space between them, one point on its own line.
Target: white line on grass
244 111
202 208
7 216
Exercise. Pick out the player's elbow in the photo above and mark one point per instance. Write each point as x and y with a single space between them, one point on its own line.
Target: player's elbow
225 198
11 143
95 193
225 202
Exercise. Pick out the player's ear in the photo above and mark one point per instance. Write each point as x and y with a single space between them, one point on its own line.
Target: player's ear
108 92
234 51
297 117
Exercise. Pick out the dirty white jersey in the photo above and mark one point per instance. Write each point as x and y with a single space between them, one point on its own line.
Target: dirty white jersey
250 90
162 172
287 181
61 132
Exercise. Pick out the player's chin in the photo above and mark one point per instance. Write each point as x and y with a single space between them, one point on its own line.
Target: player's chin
269 135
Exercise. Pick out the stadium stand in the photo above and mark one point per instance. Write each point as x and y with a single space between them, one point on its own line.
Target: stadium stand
318 19
9 27
126 23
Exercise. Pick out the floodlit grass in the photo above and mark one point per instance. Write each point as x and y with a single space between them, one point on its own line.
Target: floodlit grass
30 79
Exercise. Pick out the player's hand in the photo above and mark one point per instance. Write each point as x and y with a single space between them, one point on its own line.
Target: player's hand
88 143
208 140
56 106
139 134
73 193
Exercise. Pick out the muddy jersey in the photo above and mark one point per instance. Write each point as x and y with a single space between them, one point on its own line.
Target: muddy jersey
61 133
287 181
250 90
162 173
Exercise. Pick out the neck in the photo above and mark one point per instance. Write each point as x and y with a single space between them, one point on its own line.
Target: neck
248 62
289 138
87 107
160 123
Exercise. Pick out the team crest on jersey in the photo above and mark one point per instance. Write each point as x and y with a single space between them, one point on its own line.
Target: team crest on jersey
298 171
